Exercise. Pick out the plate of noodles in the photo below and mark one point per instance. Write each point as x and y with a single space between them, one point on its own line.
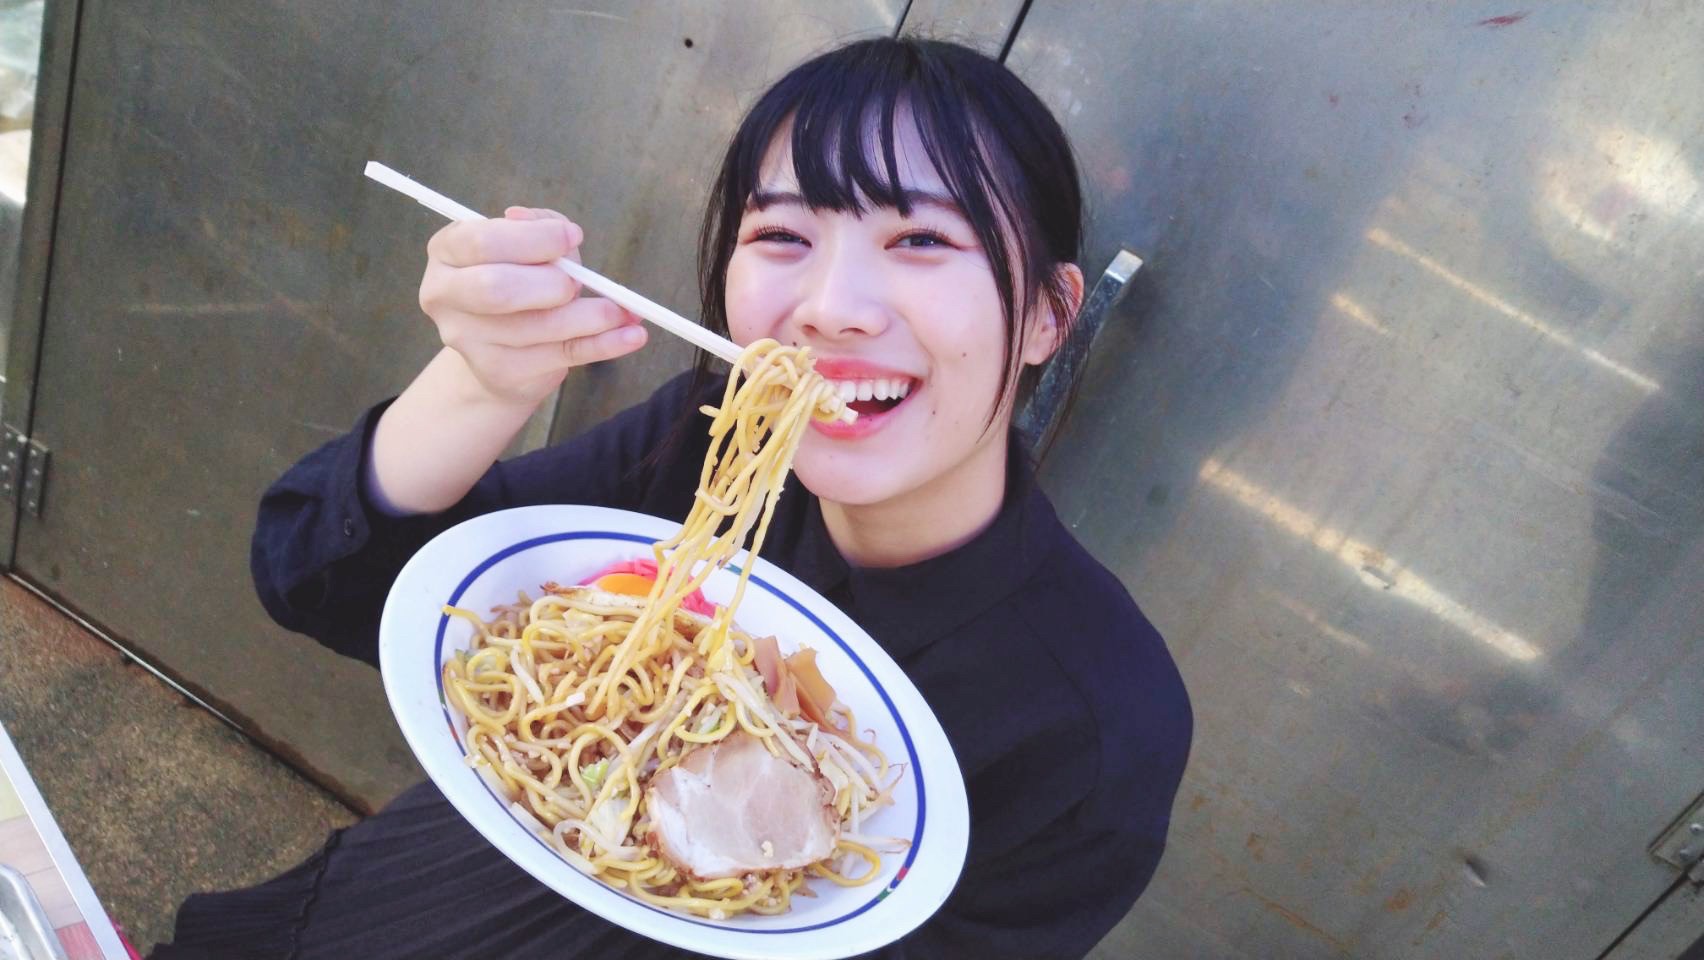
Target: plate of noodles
685 740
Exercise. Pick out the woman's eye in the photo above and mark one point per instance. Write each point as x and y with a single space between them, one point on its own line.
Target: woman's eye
776 235
922 239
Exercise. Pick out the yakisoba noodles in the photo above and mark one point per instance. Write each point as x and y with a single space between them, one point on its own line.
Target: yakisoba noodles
584 702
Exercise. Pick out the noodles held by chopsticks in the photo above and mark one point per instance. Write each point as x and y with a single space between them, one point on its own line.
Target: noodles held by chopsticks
575 705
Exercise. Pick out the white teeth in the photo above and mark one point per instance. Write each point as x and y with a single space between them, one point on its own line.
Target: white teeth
880 389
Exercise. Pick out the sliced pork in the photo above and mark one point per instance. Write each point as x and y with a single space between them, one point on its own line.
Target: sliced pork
734 808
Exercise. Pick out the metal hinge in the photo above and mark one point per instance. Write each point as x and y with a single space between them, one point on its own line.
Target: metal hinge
23 470
1040 418
12 457
1682 844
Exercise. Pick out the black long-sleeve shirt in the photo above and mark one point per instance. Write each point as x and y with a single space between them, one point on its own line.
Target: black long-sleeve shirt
1066 711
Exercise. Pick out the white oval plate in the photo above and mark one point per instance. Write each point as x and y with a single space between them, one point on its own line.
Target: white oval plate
481 563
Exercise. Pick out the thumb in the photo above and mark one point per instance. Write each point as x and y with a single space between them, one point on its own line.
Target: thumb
532 213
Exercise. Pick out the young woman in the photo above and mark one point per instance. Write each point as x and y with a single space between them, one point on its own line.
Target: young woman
910 211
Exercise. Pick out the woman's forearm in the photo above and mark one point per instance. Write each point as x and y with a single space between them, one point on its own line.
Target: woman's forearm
440 436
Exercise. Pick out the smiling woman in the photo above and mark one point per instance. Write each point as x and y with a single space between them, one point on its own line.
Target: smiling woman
885 212
909 212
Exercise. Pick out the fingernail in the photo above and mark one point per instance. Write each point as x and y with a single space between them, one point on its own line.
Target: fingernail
632 335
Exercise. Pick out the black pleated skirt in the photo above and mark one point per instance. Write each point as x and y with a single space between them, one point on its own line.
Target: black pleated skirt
414 880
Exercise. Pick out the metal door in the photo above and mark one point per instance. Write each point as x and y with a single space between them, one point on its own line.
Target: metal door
1399 439
227 291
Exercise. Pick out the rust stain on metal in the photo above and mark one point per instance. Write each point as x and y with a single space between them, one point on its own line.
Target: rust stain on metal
1198 801
1506 20
1256 846
1399 901
1432 926
1370 877
1298 921
1224 866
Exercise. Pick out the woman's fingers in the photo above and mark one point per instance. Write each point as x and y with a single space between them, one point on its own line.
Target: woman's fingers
617 342
536 237
533 213
585 317
517 320
504 368
497 288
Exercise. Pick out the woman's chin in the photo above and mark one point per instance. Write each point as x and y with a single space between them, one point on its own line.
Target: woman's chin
841 479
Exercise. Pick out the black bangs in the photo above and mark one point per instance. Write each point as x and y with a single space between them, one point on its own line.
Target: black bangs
843 121
999 153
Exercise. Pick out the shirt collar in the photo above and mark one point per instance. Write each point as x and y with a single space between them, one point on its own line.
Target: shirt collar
908 608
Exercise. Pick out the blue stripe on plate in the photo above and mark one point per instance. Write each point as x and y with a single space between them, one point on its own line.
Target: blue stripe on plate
904 733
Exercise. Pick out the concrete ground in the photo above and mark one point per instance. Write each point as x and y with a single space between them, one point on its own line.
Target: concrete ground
157 797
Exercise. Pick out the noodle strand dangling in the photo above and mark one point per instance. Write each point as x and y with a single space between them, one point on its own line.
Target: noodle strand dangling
576 701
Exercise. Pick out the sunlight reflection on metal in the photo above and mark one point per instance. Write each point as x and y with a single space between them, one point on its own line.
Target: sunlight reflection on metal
1318 621
1358 313
1370 565
1380 237
1633 175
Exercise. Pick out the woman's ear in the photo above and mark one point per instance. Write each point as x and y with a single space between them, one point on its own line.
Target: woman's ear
1048 334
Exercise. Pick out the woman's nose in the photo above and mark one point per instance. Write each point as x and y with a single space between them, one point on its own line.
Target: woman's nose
842 296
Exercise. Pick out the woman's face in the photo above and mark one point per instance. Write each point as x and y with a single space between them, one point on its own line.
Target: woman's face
901 312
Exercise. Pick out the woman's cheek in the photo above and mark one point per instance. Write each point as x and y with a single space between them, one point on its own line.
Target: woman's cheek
744 301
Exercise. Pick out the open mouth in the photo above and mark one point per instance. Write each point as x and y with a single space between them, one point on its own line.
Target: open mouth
870 397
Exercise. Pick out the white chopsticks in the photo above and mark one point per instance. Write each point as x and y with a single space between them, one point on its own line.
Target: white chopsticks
644 307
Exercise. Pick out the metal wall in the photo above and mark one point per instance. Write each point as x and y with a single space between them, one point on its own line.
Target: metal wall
1399 439
20 58
227 291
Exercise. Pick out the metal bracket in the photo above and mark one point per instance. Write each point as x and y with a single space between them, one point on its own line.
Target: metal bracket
1040 417
23 470
1682 844
35 477
14 449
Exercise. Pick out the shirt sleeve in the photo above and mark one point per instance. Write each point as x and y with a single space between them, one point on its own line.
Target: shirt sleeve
323 556
1070 807
1051 890
1053 898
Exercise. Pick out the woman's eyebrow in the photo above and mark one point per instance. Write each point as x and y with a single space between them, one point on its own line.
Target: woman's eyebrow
764 199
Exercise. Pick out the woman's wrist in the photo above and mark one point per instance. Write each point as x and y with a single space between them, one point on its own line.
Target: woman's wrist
440 436
472 392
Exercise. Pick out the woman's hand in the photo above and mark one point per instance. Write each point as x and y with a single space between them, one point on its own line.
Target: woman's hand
517 321
513 324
